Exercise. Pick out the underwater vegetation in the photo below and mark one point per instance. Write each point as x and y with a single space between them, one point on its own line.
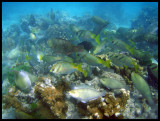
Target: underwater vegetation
60 67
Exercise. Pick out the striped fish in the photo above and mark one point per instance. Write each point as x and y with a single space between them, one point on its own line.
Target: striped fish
120 59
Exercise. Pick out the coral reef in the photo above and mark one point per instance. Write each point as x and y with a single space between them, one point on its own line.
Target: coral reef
125 72
11 100
53 98
109 107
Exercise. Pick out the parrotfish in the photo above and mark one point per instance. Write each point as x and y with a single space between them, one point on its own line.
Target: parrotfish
112 83
63 46
85 93
142 87
87 45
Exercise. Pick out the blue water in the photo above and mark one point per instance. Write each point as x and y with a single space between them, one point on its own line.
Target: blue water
121 13
28 27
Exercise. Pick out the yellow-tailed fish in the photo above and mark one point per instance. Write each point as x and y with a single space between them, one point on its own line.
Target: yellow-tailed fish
99 47
118 43
97 38
144 56
62 67
121 59
40 57
93 60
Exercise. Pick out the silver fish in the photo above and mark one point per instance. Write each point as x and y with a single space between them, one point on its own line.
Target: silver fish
85 93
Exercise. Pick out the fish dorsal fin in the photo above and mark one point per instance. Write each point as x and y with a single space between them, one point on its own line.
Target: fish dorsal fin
82 86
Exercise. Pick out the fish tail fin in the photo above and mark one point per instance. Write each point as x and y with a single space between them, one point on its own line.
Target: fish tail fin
106 63
134 63
79 68
129 48
40 57
97 39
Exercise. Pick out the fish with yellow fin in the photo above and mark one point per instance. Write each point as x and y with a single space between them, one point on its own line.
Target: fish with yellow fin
40 57
85 34
32 36
99 48
144 57
118 43
93 60
62 67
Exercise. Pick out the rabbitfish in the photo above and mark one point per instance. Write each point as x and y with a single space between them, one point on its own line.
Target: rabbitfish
85 93
22 80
